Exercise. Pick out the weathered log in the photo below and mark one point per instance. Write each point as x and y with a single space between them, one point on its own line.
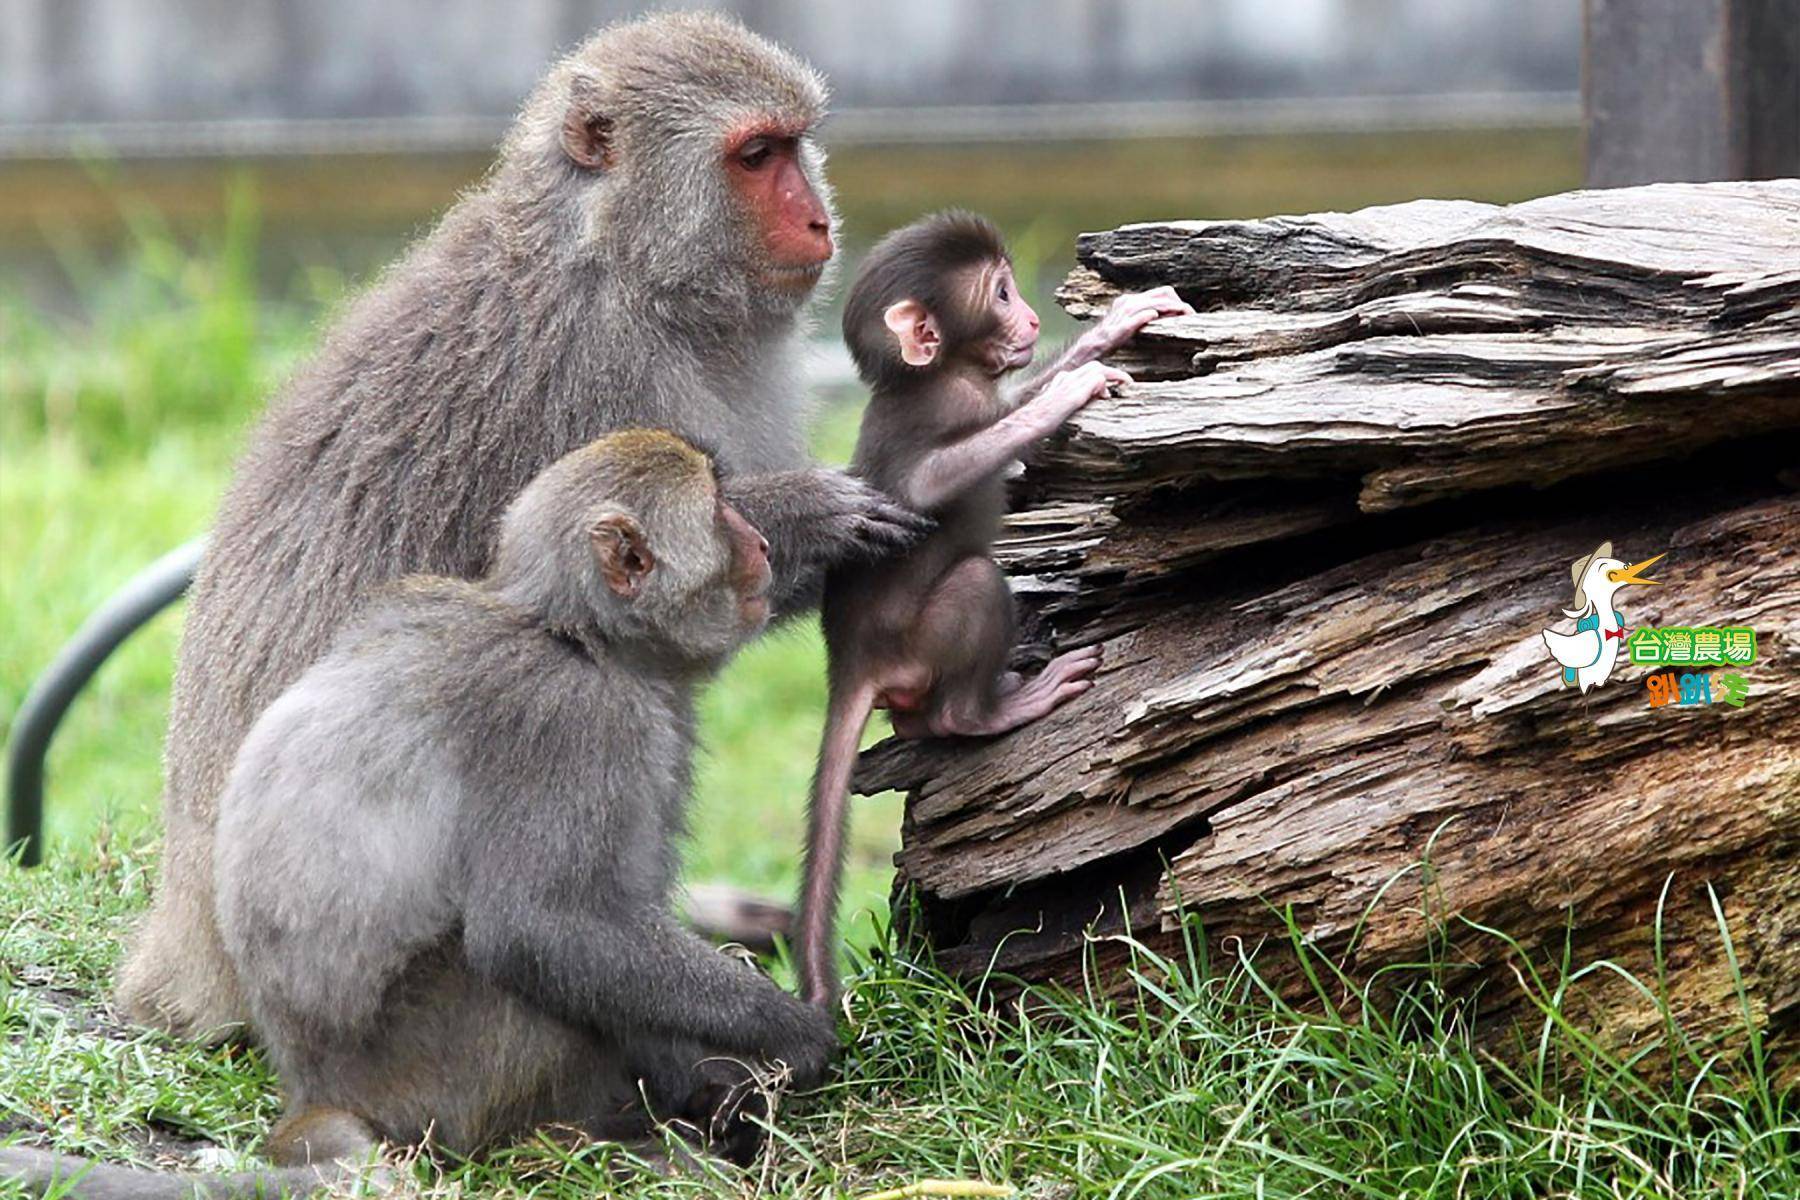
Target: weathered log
1414 353
1322 547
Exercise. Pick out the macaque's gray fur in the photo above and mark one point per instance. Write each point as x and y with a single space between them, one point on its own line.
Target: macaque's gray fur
604 275
446 852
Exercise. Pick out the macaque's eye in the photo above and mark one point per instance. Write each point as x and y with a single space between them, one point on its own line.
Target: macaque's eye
755 153
1004 296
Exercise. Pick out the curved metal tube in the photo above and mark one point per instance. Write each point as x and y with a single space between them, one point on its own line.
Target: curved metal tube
150 591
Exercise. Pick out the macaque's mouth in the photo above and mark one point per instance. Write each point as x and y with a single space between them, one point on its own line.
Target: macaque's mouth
754 609
755 590
795 277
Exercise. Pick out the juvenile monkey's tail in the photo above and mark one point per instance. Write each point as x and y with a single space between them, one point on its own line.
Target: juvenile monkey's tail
815 939
70 1178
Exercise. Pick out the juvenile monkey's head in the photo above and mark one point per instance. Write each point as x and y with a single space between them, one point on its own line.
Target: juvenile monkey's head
938 295
681 148
628 538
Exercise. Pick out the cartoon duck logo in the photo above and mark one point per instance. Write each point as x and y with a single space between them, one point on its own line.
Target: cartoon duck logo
1587 656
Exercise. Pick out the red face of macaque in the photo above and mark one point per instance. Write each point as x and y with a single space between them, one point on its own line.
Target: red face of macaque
749 565
762 164
1017 335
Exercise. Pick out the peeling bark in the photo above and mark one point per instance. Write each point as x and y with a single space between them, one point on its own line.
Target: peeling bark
1320 540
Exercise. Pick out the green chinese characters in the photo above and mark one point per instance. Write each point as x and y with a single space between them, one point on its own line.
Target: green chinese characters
1730 645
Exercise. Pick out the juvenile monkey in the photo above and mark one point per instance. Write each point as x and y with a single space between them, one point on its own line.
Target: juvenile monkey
447 851
935 322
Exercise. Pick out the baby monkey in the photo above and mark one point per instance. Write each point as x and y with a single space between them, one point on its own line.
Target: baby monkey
935 323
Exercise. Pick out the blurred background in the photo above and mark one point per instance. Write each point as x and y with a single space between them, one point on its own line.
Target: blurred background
188 188
353 124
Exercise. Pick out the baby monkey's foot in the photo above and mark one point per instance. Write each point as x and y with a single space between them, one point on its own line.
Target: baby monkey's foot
1021 701
1065 677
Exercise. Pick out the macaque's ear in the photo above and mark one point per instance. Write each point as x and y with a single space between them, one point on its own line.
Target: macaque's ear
622 552
917 331
586 131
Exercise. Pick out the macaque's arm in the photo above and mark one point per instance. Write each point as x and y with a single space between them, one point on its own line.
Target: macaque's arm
545 918
1124 318
951 470
815 518
622 972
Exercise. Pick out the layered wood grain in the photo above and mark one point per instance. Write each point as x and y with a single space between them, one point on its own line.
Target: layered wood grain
1320 539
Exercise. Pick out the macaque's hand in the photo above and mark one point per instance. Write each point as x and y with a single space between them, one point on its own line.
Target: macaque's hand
1128 314
819 516
810 1042
865 522
1070 391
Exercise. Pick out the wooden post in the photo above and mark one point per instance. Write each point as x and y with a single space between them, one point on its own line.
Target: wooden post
1691 90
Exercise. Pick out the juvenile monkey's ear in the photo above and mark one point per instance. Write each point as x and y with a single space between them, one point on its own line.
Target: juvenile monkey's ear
622 552
586 131
917 331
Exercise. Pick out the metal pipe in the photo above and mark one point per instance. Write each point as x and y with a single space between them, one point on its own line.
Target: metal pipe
150 591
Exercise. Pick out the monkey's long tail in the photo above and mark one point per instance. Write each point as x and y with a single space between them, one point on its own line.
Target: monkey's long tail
79 1179
815 940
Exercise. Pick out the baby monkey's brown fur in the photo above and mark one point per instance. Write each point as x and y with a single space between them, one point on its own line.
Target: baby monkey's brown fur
935 323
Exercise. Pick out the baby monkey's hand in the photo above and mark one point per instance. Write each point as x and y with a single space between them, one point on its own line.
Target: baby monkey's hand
1130 313
1071 390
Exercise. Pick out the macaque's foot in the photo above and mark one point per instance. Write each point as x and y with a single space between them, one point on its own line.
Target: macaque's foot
1066 677
730 1107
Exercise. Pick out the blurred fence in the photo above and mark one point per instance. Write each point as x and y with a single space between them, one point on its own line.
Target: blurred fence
186 77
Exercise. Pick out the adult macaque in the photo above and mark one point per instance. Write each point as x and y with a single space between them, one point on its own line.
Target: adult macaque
639 256
446 852
935 322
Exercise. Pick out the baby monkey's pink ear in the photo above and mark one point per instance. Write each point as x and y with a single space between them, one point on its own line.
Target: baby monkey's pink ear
916 330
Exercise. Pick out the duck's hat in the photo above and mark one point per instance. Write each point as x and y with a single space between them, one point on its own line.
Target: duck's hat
1581 566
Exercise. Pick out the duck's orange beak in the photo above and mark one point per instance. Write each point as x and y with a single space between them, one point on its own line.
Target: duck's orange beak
1630 574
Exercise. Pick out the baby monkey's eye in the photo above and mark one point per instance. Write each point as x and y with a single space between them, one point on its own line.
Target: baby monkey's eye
1003 295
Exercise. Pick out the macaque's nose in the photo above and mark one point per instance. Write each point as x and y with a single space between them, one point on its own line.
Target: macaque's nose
762 545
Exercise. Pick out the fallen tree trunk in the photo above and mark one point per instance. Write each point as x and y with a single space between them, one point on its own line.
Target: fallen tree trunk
1321 541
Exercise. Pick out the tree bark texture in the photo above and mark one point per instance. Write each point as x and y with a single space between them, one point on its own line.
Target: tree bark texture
1320 539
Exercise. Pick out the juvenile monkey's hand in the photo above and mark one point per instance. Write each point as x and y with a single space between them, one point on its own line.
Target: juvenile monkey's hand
806 1041
1130 313
1071 391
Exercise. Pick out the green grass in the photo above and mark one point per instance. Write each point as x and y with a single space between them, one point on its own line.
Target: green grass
118 424
1198 1083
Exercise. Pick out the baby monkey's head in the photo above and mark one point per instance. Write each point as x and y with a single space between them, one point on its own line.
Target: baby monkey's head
936 296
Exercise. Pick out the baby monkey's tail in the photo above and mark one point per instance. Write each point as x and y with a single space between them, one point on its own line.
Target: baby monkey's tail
815 941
